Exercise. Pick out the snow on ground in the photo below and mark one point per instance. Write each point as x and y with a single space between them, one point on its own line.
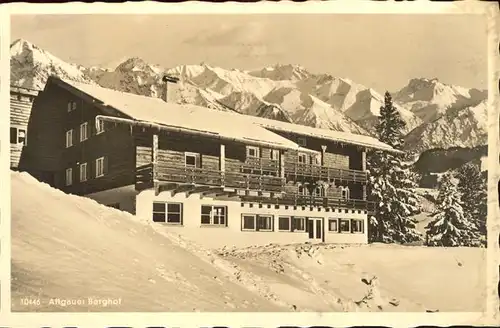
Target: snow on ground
73 248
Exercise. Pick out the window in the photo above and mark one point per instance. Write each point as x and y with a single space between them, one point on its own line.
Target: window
298 224
302 158
284 223
99 126
69 138
99 167
319 191
83 131
17 136
248 222
275 154
253 151
344 225
257 222
265 223
302 191
167 212
69 177
357 226
71 106
83 172
345 192
215 215
192 159
333 225
316 159
302 142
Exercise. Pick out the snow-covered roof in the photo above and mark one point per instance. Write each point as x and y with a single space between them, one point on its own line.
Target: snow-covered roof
344 137
192 118
240 127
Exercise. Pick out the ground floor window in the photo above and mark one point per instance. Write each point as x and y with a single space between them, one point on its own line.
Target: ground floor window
344 225
214 215
298 224
284 223
167 212
333 225
254 222
357 225
291 223
69 177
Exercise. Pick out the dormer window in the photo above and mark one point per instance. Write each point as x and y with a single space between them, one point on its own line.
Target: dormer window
301 142
253 152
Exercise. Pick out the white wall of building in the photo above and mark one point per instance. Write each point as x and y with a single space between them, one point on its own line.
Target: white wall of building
232 234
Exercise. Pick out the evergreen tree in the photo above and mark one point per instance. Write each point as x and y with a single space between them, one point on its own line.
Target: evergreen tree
450 225
472 187
391 183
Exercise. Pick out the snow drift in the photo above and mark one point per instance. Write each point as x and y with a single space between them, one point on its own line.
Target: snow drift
72 248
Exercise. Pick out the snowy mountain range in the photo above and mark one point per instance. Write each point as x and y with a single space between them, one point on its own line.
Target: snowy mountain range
437 115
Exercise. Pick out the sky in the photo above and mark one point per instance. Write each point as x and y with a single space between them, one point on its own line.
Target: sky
381 51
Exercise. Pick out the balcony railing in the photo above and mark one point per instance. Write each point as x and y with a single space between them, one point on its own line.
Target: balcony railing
264 165
326 202
202 176
323 172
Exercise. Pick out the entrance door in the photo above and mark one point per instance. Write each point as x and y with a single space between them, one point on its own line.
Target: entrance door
315 229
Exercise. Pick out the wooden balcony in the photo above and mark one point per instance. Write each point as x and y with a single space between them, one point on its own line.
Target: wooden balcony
175 176
324 173
261 165
326 202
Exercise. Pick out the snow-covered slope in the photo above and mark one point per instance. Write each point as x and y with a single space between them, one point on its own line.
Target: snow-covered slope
463 128
84 249
359 103
31 66
429 99
306 109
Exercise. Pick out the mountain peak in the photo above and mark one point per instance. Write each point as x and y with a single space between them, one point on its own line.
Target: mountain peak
281 72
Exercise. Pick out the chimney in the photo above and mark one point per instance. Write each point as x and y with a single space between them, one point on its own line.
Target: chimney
166 80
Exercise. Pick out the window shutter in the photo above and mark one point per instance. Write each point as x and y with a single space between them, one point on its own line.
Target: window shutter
13 135
352 225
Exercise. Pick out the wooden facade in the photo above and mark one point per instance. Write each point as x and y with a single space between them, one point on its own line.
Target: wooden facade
328 174
21 102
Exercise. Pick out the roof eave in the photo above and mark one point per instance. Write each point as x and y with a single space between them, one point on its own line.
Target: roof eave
165 127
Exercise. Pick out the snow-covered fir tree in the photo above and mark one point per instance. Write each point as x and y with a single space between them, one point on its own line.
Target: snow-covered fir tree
450 225
472 187
392 182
